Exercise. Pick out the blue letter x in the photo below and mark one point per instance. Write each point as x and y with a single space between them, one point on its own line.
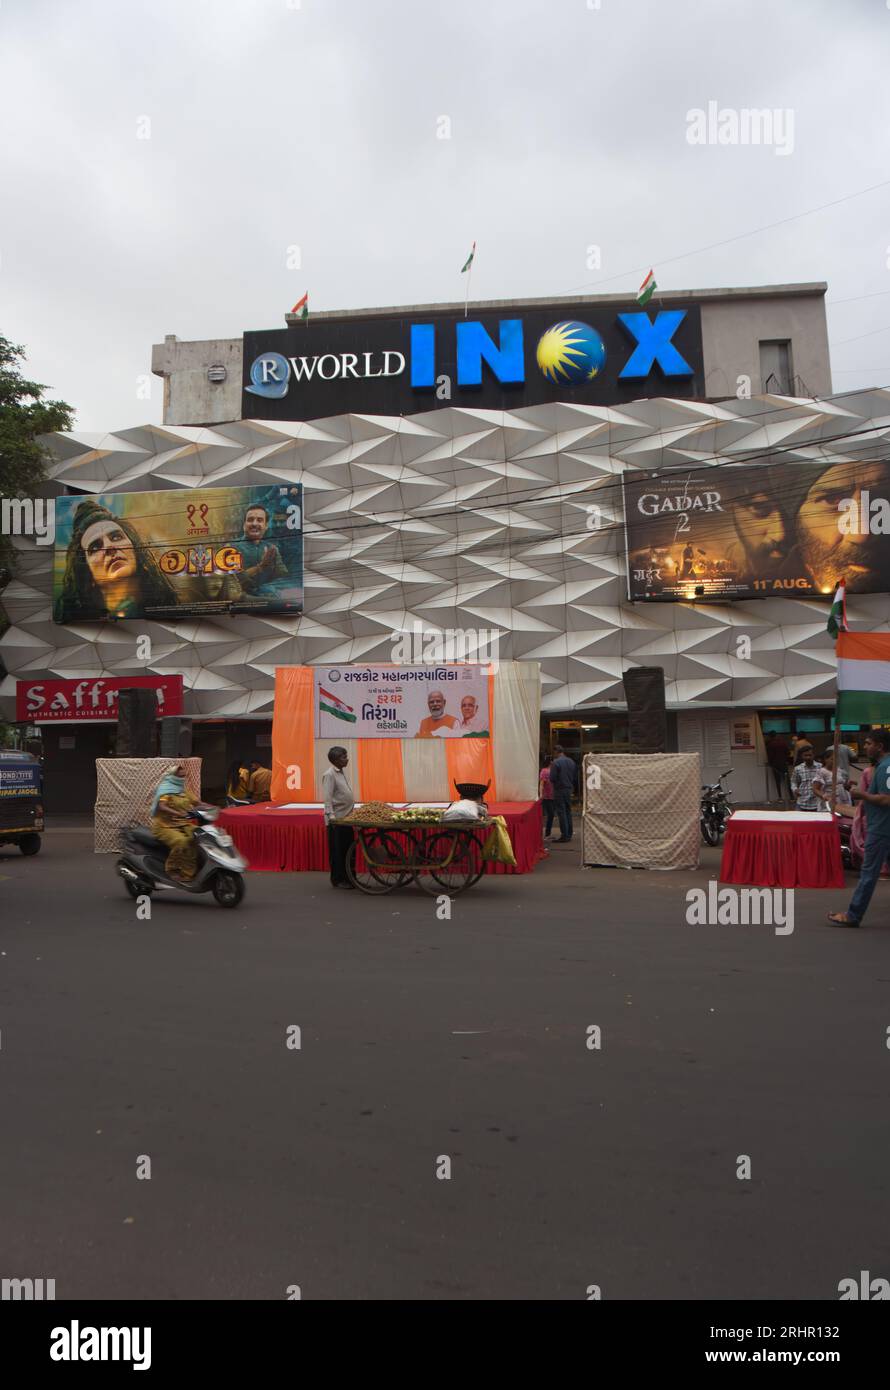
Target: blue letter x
654 344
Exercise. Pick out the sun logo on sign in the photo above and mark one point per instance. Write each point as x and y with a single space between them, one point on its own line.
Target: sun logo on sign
571 352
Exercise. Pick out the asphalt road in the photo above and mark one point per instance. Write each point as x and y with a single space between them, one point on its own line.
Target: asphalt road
421 1038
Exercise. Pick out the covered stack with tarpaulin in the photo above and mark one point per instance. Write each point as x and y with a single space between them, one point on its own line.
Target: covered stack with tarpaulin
125 789
641 810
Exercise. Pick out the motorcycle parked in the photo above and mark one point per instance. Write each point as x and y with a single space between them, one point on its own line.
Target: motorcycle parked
715 810
220 866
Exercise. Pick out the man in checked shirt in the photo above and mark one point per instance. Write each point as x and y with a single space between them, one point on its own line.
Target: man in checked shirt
804 775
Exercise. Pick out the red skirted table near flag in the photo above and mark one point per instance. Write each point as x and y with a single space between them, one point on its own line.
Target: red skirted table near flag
776 849
286 839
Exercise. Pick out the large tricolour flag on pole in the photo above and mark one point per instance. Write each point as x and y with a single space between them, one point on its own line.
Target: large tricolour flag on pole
863 678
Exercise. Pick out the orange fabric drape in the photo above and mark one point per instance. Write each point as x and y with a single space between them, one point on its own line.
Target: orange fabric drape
381 776
293 735
470 759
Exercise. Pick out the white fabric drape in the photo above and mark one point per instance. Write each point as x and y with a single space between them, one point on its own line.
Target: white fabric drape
517 719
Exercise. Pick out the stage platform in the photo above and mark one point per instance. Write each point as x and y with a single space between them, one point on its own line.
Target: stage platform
290 839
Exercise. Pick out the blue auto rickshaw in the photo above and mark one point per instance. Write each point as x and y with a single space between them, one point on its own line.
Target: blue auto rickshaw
21 800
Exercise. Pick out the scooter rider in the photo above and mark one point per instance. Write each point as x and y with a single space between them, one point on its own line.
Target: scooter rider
170 823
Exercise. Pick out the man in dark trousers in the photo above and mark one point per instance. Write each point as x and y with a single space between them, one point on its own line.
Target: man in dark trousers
877 830
563 780
338 802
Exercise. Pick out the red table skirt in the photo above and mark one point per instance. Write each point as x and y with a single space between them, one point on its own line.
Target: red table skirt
278 841
770 854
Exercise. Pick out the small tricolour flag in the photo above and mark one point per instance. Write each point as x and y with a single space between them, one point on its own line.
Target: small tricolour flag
301 308
863 678
331 705
837 617
469 261
647 289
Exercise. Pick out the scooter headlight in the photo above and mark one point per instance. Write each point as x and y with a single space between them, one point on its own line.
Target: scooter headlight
224 839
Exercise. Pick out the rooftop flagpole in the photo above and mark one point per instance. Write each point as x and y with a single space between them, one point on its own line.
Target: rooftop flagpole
468 267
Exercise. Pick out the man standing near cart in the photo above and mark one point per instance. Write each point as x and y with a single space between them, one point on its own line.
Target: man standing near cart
338 802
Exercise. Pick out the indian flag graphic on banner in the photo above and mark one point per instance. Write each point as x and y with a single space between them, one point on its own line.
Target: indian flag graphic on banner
863 678
331 705
646 290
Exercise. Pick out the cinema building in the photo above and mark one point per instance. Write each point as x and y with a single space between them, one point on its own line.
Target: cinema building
580 482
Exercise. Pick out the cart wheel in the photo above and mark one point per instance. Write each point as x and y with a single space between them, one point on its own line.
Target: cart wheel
387 858
456 862
369 879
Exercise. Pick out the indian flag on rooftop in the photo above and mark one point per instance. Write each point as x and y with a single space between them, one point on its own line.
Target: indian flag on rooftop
863 678
331 705
646 290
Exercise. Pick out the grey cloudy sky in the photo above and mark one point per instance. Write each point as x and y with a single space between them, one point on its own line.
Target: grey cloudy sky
275 123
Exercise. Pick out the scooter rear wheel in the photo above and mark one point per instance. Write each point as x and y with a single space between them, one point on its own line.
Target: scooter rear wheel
228 889
137 889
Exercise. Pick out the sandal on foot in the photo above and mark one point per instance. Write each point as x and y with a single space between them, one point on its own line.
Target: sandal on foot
840 919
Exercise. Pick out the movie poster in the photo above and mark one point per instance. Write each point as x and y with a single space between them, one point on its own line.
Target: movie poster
402 701
757 531
179 553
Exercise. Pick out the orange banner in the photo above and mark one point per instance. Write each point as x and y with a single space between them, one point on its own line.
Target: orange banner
293 735
381 776
470 759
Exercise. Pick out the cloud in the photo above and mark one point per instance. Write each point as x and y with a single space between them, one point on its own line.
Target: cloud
273 126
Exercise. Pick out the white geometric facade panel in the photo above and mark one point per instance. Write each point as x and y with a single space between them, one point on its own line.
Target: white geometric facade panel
469 520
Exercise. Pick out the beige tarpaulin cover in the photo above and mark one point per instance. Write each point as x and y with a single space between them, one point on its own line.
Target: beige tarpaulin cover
642 809
124 791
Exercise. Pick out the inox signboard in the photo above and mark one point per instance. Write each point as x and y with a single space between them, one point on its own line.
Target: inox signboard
501 360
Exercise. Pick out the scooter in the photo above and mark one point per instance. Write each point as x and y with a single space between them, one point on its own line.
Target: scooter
715 810
220 866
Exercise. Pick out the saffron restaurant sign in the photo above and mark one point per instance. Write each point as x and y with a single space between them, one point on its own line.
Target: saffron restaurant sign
179 553
55 701
530 356
401 701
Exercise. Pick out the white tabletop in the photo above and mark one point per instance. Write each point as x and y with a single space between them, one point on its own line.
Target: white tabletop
784 817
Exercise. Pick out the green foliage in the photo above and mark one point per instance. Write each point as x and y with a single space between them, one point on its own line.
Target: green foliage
24 416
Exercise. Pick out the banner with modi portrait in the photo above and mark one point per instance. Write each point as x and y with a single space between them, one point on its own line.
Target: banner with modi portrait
178 553
398 702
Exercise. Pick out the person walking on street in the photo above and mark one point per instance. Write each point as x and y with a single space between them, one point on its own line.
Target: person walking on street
877 837
545 792
803 780
338 802
563 780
